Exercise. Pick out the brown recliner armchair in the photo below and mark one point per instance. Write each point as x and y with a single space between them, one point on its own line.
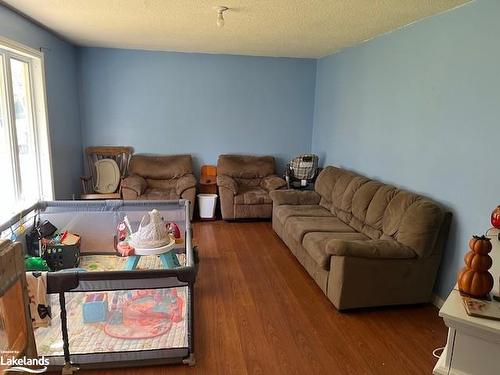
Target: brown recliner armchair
244 184
160 178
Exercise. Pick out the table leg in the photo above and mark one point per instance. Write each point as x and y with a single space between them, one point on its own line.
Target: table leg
132 261
169 260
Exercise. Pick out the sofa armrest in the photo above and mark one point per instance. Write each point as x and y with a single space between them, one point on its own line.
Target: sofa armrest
272 182
379 249
135 183
295 197
227 182
185 182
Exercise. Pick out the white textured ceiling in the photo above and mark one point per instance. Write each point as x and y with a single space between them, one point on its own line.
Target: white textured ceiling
295 28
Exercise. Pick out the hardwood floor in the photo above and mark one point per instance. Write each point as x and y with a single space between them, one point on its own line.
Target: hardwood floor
258 312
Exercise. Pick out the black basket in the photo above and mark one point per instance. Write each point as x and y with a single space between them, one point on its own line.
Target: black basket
59 257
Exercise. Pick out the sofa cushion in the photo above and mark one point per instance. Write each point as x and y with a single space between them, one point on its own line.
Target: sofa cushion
294 197
298 226
368 208
159 194
376 209
342 198
339 190
253 211
395 211
185 182
254 195
227 183
381 249
361 201
161 184
162 167
135 183
284 212
248 182
246 166
418 227
272 182
315 244
324 185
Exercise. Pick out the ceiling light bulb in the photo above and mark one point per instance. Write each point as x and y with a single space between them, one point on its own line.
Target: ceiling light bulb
220 19
220 15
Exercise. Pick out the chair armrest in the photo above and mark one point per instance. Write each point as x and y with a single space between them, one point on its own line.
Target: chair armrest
379 249
136 183
294 197
227 182
272 182
185 182
86 184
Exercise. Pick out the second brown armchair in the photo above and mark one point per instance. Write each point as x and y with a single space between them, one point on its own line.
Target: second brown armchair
244 184
160 178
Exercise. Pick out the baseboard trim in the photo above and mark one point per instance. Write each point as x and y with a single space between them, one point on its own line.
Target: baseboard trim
437 301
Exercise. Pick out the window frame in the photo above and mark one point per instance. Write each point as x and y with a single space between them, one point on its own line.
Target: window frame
37 106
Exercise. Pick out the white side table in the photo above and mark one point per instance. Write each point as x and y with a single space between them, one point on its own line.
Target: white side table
473 344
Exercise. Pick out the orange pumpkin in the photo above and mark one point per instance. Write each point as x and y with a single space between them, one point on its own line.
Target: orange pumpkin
473 283
480 245
478 262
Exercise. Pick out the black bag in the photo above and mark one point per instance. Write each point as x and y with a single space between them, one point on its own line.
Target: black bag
45 229
37 232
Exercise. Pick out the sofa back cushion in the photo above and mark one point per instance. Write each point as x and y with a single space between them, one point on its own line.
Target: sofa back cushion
343 195
376 210
161 167
246 167
324 185
413 221
381 211
369 204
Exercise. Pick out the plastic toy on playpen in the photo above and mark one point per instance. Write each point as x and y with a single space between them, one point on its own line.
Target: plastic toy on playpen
302 169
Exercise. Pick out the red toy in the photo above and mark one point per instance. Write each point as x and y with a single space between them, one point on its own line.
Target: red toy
495 217
173 230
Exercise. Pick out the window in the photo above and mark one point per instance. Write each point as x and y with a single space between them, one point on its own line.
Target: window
25 170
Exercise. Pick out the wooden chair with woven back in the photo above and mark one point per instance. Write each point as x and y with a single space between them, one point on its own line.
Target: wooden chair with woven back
106 167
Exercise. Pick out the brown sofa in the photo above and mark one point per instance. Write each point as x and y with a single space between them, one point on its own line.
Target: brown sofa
363 242
160 178
244 184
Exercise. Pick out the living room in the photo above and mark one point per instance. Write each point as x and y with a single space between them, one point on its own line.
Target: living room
397 99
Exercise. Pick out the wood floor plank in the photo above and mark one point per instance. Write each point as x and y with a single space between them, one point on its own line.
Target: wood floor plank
277 320
302 295
258 312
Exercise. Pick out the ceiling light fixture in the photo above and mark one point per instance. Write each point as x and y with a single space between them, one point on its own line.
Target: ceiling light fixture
220 15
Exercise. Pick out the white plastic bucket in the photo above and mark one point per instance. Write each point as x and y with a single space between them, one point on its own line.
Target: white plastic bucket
206 203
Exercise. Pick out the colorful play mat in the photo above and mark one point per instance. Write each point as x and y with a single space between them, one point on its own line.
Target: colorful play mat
145 314
117 321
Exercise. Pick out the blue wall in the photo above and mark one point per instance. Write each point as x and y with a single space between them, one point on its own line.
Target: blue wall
62 98
420 108
205 105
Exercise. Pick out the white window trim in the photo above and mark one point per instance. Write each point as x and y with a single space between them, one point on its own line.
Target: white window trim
40 111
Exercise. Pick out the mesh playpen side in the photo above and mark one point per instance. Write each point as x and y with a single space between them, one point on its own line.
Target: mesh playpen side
71 286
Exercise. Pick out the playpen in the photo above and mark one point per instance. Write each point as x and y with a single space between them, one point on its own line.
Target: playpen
104 315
